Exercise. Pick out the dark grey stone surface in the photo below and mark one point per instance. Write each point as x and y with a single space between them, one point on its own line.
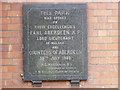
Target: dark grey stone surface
55 42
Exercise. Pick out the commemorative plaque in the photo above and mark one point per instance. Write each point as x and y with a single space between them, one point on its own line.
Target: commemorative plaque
55 42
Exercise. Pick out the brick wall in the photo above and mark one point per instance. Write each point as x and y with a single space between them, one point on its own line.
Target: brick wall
102 47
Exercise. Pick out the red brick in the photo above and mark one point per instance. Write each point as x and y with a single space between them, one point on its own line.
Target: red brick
112 6
93 33
103 47
102 6
55 83
14 27
90 13
103 68
115 26
18 62
112 19
11 34
0 47
3 26
6 75
0 21
102 12
115 12
0 6
112 61
12 62
14 13
99 86
5 6
4 69
102 19
16 75
100 81
1 41
107 33
103 40
6 20
103 32
94 75
91 27
4 14
0 61
29 83
0 33
106 26
104 54
16 6
12 54
0 76
7 62
16 20
0 84
105 60
1 65
12 69
10 40
92 19
111 86
92 5
14 83
1 13
11 47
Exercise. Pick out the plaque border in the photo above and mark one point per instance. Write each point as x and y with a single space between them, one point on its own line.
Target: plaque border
84 37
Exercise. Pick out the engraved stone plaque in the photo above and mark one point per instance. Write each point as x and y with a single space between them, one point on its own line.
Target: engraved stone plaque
55 42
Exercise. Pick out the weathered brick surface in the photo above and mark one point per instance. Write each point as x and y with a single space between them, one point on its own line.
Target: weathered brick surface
14 27
102 46
10 48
